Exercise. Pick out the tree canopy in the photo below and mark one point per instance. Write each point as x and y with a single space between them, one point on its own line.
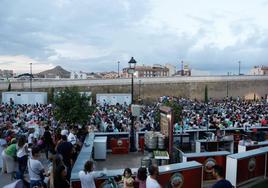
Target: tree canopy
72 107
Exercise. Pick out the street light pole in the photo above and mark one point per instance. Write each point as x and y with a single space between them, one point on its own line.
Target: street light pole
118 69
31 76
182 71
239 66
227 86
131 70
139 91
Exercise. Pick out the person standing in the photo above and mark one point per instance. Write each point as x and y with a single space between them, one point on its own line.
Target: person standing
3 144
218 173
141 177
48 142
36 169
8 156
60 177
87 176
22 155
65 148
127 178
151 180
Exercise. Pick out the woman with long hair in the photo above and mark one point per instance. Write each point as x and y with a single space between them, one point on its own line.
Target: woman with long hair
141 177
127 178
60 180
22 155
56 162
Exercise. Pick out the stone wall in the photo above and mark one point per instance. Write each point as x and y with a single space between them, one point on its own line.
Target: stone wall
151 89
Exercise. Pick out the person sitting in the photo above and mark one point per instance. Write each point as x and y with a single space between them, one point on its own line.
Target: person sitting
218 173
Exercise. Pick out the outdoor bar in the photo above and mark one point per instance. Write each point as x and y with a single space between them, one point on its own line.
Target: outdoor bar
247 166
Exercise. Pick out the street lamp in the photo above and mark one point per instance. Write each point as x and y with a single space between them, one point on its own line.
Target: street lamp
182 71
131 70
118 63
239 67
31 76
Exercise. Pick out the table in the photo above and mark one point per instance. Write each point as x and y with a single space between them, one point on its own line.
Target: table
247 147
213 145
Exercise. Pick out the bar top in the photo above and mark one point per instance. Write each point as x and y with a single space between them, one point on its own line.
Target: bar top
84 155
162 170
257 144
204 154
248 153
204 140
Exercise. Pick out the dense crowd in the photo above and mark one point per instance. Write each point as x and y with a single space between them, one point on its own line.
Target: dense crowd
27 130
223 114
117 118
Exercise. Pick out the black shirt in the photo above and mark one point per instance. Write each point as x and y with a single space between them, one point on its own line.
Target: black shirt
47 138
222 184
66 150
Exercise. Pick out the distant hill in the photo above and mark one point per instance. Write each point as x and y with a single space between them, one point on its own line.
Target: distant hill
58 71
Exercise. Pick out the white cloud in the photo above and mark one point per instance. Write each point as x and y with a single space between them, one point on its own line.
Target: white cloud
21 64
78 51
92 35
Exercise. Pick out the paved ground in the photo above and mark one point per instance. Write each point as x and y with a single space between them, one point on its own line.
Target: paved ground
116 161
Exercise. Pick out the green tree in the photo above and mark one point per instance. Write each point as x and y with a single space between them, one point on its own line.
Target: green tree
72 107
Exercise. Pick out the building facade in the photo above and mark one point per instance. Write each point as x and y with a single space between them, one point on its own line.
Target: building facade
259 70
78 75
147 71
6 73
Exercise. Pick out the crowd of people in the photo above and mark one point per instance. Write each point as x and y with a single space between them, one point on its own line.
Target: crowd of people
225 113
117 118
27 130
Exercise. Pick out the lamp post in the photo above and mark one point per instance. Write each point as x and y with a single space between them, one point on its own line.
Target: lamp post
239 67
31 76
118 63
227 85
182 71
139 91
131 70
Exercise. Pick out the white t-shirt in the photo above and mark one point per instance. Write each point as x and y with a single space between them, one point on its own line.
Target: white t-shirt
34 168
71 138
21 151
152 183
2 143
87 179
30 138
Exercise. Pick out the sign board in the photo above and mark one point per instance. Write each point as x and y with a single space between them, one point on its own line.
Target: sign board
113 98
136 110
25 97
166 126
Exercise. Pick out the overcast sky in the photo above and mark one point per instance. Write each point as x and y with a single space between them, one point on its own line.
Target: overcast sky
93 35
